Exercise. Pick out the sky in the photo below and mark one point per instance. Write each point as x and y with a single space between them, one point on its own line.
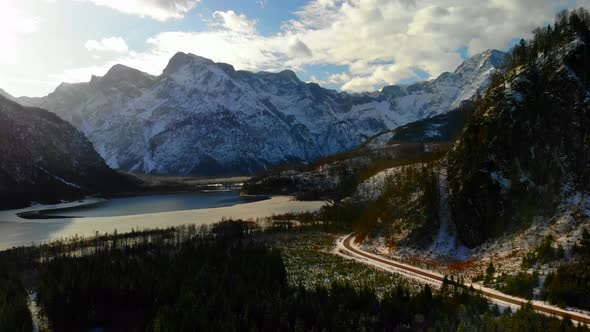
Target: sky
350 45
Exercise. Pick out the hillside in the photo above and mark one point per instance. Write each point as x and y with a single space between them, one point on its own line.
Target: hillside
205 118
45 159
440 128
526 151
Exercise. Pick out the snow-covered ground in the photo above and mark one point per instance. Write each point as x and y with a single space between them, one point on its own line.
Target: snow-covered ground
447 242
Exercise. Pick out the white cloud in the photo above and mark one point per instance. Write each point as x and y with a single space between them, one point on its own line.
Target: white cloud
110 44
238 23
379 76
15 25
380 41
334 79
160 10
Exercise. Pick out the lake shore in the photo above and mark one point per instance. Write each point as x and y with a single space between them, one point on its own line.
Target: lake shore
15 231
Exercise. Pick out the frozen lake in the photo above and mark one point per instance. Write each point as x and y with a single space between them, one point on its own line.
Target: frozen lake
127 206
137 213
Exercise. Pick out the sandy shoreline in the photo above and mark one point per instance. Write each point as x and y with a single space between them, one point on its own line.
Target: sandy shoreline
15 231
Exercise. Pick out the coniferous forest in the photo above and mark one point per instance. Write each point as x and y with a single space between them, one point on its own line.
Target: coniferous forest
225 279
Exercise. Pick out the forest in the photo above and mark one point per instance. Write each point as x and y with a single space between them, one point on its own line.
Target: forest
227 278
526 146
223 278
569 285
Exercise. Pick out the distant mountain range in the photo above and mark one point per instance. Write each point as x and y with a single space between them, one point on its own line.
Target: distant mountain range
45 159
205 118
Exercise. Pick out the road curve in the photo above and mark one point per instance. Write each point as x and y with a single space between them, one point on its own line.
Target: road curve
486 292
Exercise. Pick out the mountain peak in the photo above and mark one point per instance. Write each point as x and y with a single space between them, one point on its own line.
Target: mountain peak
490 58
240 119
119 68
122 73
289 74
182 59
495 57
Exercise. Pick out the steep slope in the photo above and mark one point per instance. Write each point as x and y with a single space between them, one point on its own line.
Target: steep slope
6 95
45 159
426 99
205 118
527 148
440 128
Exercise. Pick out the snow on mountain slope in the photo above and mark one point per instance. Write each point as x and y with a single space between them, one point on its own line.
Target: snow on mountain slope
206 118
427 99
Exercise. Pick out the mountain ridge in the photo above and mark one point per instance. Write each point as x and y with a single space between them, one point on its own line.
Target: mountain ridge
200 117
45 159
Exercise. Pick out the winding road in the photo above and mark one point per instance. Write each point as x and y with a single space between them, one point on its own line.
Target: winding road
346 246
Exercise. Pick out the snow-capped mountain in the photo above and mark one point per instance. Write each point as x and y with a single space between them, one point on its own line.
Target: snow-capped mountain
205 118
427 99
45 159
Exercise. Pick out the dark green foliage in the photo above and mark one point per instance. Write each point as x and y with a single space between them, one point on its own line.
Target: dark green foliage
490 274
520 284
569 285
490 270
14 313
543 254
340 215
128 290
528 137
184 280
583 248
526 319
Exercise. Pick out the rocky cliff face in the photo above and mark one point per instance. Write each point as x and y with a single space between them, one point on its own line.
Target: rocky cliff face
205 118
45 159
527 148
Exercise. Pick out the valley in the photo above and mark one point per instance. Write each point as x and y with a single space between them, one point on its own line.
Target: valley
220 199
